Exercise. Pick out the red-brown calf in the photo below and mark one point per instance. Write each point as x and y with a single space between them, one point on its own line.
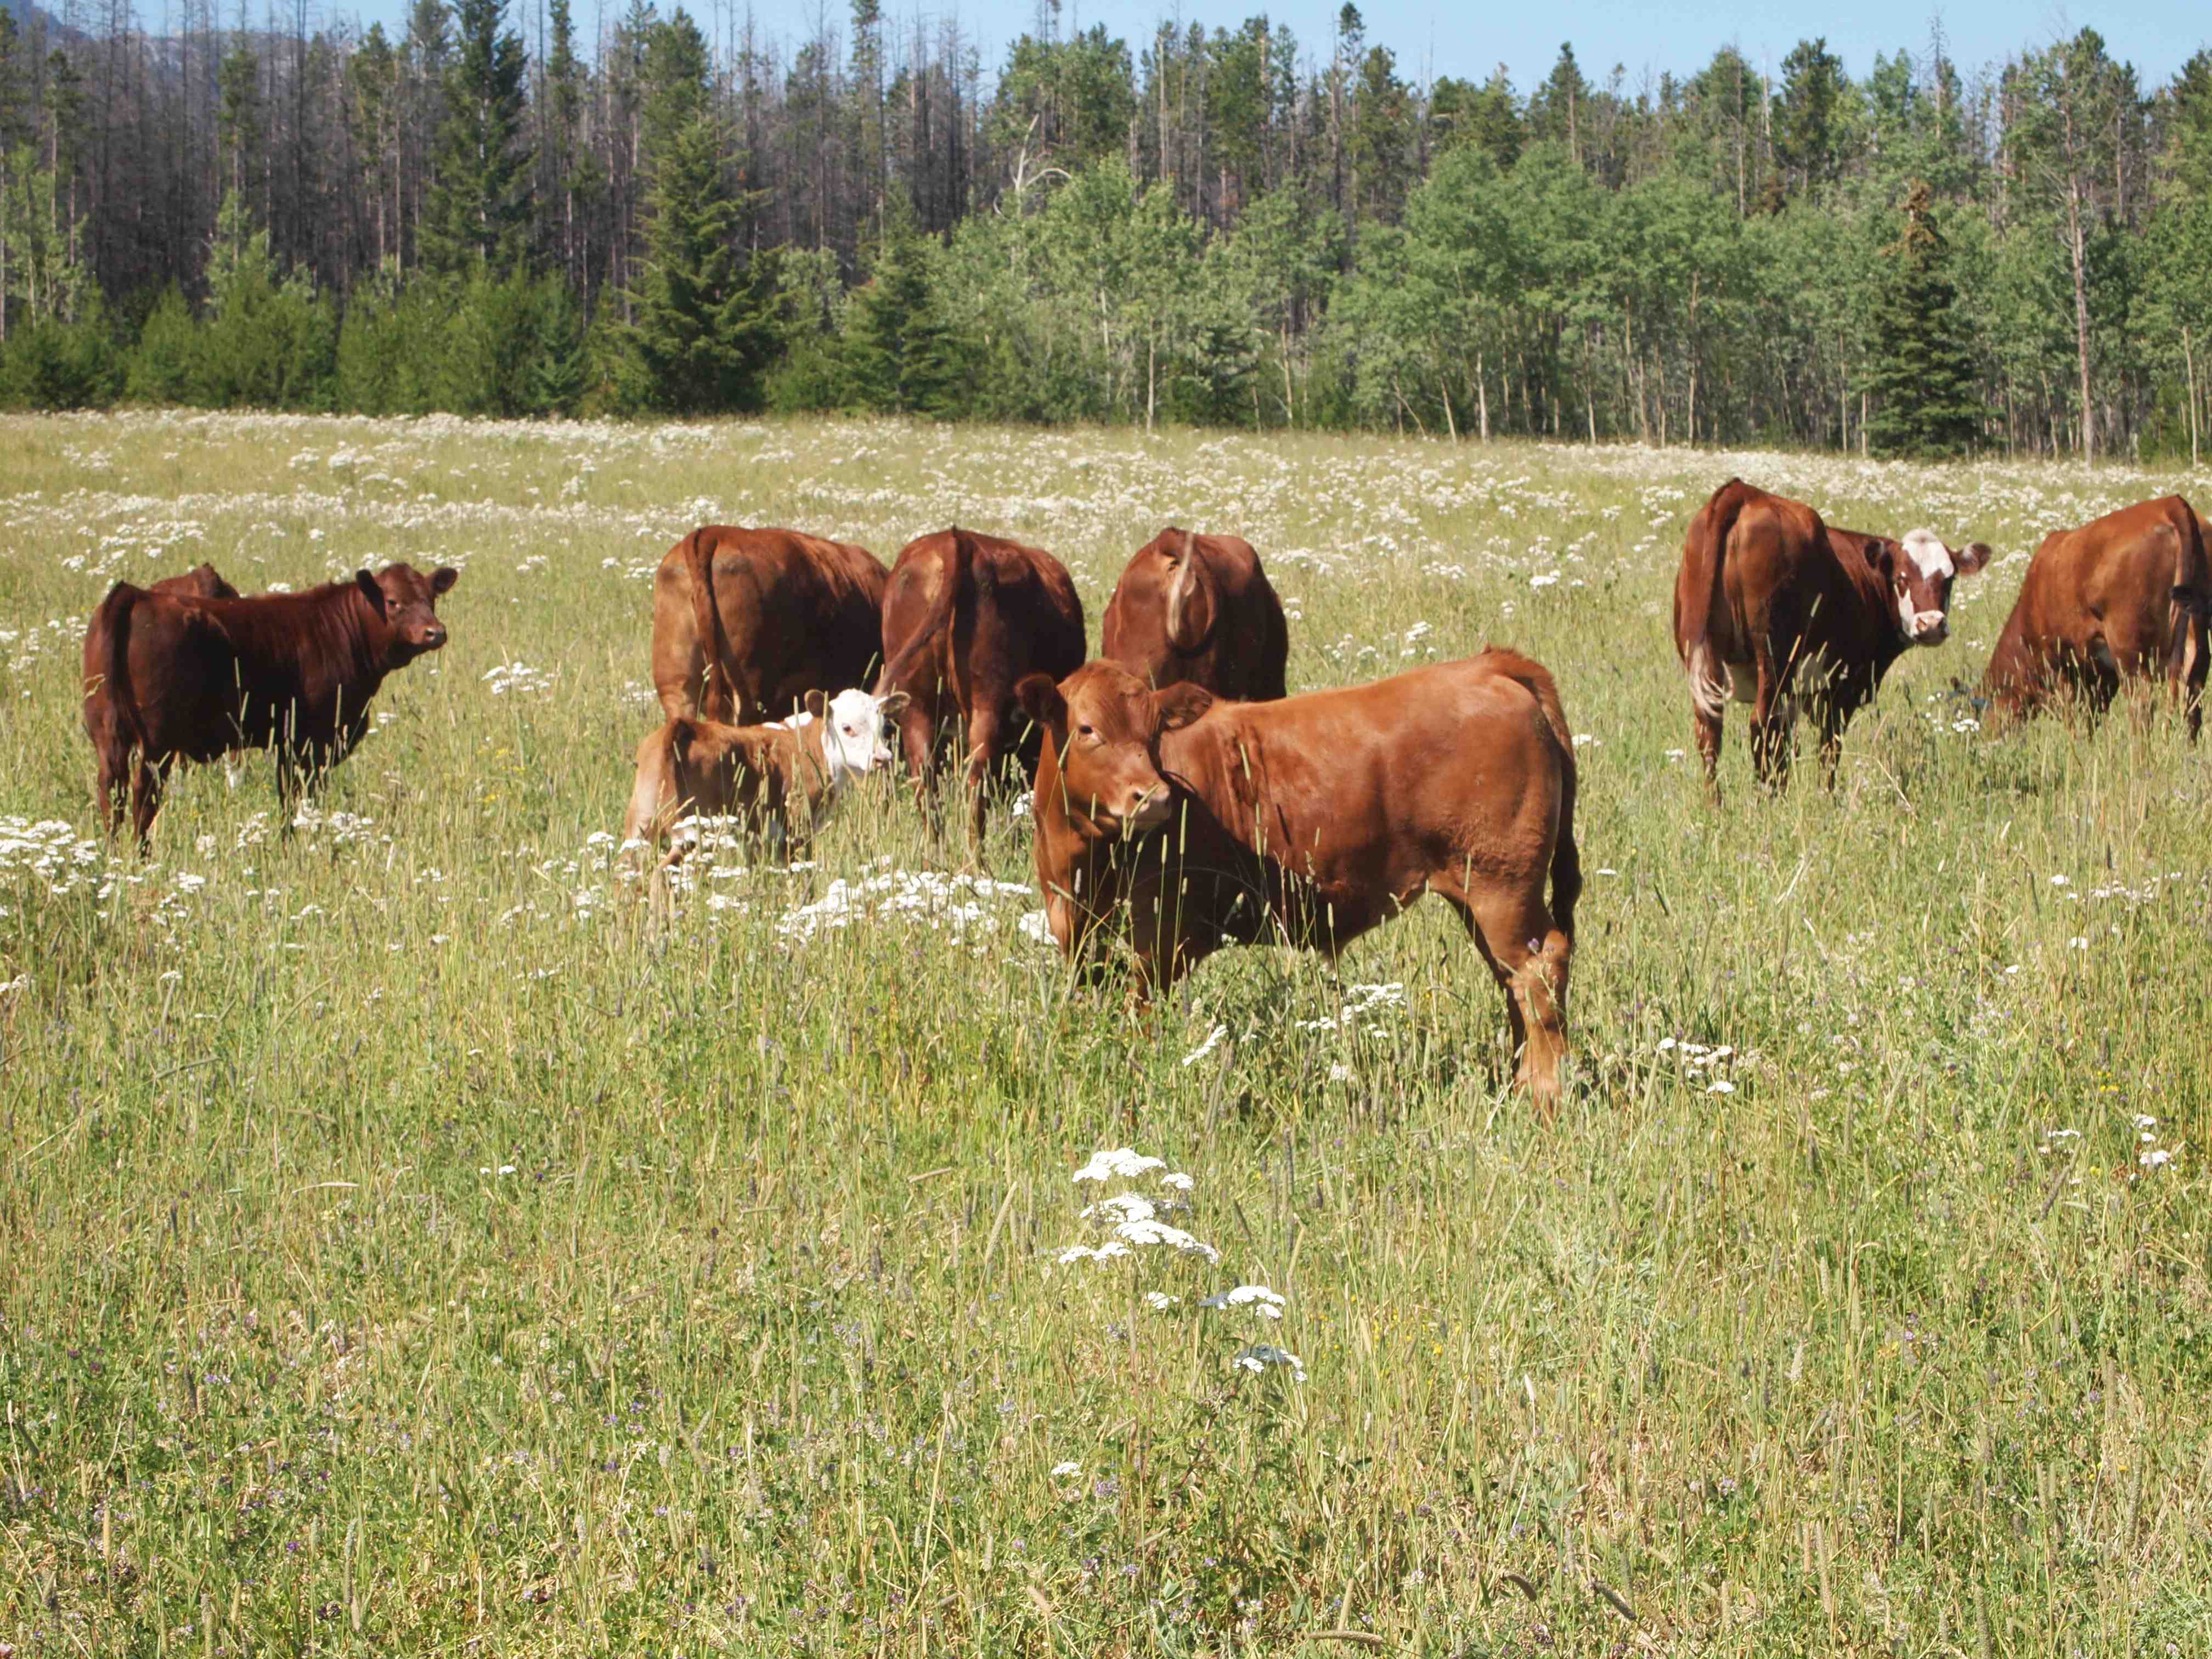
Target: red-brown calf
171 676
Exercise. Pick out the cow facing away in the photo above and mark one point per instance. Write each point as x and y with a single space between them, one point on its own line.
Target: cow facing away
965 617
1773 609
2123 597
1313 818
1198 609
747 622
783 777
171 676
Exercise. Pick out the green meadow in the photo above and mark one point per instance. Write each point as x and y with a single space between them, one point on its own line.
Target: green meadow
410 1243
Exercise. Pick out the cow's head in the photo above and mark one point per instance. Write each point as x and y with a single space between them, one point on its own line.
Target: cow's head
1919 571
853 728
406 601
1103 722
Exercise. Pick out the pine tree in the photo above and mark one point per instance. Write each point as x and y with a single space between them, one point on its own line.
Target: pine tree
481 202
1923 380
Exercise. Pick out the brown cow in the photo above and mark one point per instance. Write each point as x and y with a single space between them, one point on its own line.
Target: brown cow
784 776
1771 605
745 622
965 617
1201 609
174 677
2125 595
1315 817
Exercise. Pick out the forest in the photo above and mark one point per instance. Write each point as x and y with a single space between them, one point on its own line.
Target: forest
491 213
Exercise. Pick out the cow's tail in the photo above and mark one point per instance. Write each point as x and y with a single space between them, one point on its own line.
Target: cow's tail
961 565
113 623
2189 599
1693 621
1566 856
718 700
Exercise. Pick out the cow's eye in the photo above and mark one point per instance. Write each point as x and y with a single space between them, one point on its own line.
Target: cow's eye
1083 731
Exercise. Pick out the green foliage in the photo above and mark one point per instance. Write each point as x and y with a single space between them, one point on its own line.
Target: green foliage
269 342
49 363
165 366
901 357
479 205
1923 379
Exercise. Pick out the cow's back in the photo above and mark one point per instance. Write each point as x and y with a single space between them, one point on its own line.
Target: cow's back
795 613
1246 651
2112 596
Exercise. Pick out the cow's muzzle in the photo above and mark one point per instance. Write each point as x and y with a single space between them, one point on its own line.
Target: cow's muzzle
1147 809
1930 628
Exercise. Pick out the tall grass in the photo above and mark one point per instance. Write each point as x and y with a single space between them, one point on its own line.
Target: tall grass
409 1244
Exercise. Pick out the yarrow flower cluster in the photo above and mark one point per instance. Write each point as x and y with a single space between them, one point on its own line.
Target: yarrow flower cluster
1132 1221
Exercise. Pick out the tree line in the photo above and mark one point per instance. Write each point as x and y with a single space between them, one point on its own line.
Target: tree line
1228 228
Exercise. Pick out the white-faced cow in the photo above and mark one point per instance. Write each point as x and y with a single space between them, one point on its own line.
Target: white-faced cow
1775 609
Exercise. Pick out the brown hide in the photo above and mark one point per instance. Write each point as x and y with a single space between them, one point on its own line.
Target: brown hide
2123 597
1313 818
171 676
1198 609
747 622
1773 608
965 617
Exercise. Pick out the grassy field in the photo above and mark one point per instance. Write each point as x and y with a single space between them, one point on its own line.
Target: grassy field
407 1245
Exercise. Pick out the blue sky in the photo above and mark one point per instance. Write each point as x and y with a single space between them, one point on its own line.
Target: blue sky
1437 37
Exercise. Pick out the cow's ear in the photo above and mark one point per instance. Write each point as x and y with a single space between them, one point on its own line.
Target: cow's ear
371 589
1181 704
893 705
816 704
1881 553
443 578
1039 696
1972 560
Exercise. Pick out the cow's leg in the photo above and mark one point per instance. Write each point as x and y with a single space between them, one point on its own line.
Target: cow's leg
918 741
983 737
1708 727
1829 713
1771 713
1527 955
146 798
112 784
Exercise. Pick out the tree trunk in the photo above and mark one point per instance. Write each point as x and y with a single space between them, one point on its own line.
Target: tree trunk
1481 397
2189 360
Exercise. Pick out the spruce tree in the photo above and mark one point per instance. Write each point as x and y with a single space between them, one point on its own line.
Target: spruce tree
899 352
1923 381
701 325
480 203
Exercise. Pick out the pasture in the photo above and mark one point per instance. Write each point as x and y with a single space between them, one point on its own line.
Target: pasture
408 1244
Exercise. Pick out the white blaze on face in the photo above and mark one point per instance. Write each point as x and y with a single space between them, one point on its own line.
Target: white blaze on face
1930 563
853 738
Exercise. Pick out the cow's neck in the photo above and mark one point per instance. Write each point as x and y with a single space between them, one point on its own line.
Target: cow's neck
1876 621
1216 761
360 639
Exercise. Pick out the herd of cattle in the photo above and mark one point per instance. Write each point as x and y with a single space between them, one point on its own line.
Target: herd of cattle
1179 792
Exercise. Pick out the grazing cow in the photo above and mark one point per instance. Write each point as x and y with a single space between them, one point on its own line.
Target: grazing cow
783 777
2124 596
965 617
1201 609
745 622
172 677
1314 819
1770 607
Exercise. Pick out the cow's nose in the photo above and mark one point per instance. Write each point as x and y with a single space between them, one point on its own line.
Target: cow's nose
434 636
1931 627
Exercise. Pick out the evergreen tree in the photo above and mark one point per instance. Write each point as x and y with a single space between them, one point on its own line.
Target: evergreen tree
900 356
701 327
480 204
1923 380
